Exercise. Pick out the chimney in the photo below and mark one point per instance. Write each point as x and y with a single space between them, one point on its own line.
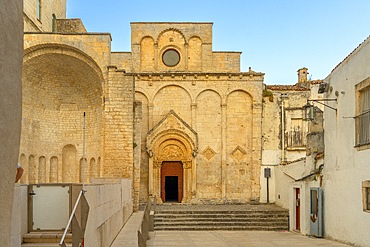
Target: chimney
302 75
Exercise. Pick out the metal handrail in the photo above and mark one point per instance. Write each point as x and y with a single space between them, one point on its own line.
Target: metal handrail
62 243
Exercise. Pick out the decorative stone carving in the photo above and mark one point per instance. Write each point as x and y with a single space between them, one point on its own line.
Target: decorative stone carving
150 152
208 153
187 164
172 152
238 154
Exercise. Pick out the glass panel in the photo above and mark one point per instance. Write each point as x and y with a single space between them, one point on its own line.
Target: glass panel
363 129
314 202
365 100
38 9
363 119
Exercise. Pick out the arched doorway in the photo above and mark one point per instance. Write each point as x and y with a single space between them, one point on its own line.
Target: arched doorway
172 146
172 181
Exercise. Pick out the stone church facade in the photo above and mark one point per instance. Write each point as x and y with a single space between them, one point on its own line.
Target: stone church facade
178 118
199 112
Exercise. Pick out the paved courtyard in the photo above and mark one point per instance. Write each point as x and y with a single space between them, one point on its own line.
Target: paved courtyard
236 238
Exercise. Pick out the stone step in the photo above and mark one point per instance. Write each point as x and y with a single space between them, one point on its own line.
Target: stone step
282 225
46 237
234 216
224 219
43 245
262 212
221 228
215 219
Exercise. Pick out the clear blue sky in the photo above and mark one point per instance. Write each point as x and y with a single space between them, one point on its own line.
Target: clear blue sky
276 37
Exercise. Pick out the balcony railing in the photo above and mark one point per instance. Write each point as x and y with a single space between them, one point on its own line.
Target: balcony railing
363 129
295 138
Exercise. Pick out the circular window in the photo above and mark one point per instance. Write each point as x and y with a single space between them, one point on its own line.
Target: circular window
171 57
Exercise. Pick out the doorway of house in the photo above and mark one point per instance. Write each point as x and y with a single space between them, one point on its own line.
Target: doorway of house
171 181
297 209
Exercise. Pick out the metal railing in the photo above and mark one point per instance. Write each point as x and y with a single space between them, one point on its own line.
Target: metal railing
147 224
78 225
363 129
295 138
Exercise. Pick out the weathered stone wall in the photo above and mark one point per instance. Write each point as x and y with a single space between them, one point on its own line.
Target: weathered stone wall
118 125
226 61
11 53
137 152
122 60
69 26
225 112
48 9
292 99
223 106
193 42
60 83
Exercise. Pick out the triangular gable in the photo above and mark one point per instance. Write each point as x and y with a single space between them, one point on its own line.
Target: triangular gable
172 123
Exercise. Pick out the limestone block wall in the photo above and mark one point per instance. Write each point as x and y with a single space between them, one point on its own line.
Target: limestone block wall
144 158
122 60
94 48
60 83
69 26
47 9
225 111
11 54
192 41
226 61
271 129
137 152
118 125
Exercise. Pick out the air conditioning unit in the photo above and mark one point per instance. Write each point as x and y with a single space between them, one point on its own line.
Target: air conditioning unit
323 87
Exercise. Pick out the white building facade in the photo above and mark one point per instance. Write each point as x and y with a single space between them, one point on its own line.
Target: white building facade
346 174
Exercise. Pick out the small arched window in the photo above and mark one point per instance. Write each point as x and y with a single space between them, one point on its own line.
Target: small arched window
53 24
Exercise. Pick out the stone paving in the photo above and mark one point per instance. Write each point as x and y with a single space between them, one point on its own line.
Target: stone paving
128 235
236 238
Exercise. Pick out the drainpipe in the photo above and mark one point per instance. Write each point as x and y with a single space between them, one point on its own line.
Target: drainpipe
283 96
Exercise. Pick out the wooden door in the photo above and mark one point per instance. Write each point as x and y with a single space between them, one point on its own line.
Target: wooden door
171 171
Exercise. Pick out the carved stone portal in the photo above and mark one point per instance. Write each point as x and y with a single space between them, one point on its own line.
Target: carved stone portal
172 140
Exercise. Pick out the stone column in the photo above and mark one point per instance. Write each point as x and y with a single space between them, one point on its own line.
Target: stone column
137 154
223 154
188 180
186 56
150 113
193 115
156 56
11 40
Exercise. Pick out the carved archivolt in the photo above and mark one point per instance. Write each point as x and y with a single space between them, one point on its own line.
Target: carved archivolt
171 140
172 152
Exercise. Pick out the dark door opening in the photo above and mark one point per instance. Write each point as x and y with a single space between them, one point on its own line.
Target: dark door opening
172 181
171 188
297 209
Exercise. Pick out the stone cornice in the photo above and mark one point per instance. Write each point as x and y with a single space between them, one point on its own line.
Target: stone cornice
154 76
59 33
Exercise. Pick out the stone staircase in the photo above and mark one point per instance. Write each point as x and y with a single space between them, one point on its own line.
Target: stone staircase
221 217
45 239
